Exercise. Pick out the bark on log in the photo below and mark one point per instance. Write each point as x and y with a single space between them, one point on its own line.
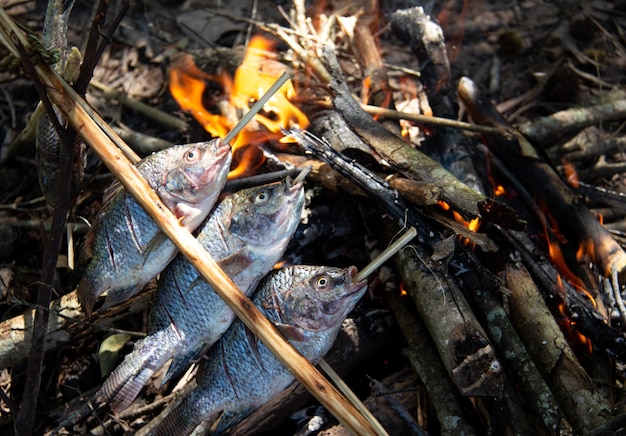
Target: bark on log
537 395
422 353
462 343
404 158
548 129
546 344
559 204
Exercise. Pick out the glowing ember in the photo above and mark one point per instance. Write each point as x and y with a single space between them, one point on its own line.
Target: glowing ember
556 255
472 225
403 291
499 190
570 174
578 341
258 71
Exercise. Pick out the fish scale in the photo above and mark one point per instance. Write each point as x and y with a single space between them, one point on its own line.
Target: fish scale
126 247
247 234
308 305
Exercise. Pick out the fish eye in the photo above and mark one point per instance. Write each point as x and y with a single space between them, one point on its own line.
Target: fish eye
192 156
261 197
322 281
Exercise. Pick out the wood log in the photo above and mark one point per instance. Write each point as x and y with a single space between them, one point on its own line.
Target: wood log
426 38
463 345
482 294
545 342
421 351
562 208
404 158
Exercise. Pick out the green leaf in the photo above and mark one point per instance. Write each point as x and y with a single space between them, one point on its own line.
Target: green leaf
109 351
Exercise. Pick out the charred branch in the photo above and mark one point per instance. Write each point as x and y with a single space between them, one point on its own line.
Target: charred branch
406 159
425 37
569 383
563 209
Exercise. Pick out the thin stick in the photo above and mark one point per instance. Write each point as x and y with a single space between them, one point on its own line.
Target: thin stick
330 372
256 107
425 119
387 253
161 117
74 109
367 270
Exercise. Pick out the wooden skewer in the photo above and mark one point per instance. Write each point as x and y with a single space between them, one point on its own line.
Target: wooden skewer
90 126
366 271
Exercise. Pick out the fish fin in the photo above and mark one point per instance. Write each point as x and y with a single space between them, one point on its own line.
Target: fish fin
154 244
227 420
117 296
110 192
124 384
86 296
290 332
85 247
180 364
234 264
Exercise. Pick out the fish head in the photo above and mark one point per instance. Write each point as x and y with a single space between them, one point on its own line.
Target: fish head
264 215
322 297
191 178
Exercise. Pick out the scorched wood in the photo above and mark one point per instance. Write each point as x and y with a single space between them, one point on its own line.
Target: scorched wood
404 158
463 345
426 38
569 383
560 205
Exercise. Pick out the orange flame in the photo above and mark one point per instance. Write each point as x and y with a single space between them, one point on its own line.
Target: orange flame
556 255
256 74
570 329
403 291
472 225
570 174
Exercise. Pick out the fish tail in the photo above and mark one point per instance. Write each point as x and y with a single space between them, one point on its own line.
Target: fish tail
124 384
129 390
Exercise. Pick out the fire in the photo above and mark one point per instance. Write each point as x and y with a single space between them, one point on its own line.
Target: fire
256 74
556 255
576 339
499 190
472 225
403 292
570 174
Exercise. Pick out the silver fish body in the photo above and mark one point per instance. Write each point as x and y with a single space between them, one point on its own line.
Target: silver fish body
308 305
247 234
126 246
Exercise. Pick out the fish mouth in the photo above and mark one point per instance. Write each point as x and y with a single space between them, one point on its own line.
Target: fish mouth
198 181
294 195
354 287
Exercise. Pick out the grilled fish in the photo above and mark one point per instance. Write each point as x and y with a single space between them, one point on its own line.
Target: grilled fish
308 305
247 234
126 247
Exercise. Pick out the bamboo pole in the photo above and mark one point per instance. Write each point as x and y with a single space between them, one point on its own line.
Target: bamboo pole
88 124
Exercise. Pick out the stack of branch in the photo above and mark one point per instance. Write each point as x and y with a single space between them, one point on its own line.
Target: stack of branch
484 329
